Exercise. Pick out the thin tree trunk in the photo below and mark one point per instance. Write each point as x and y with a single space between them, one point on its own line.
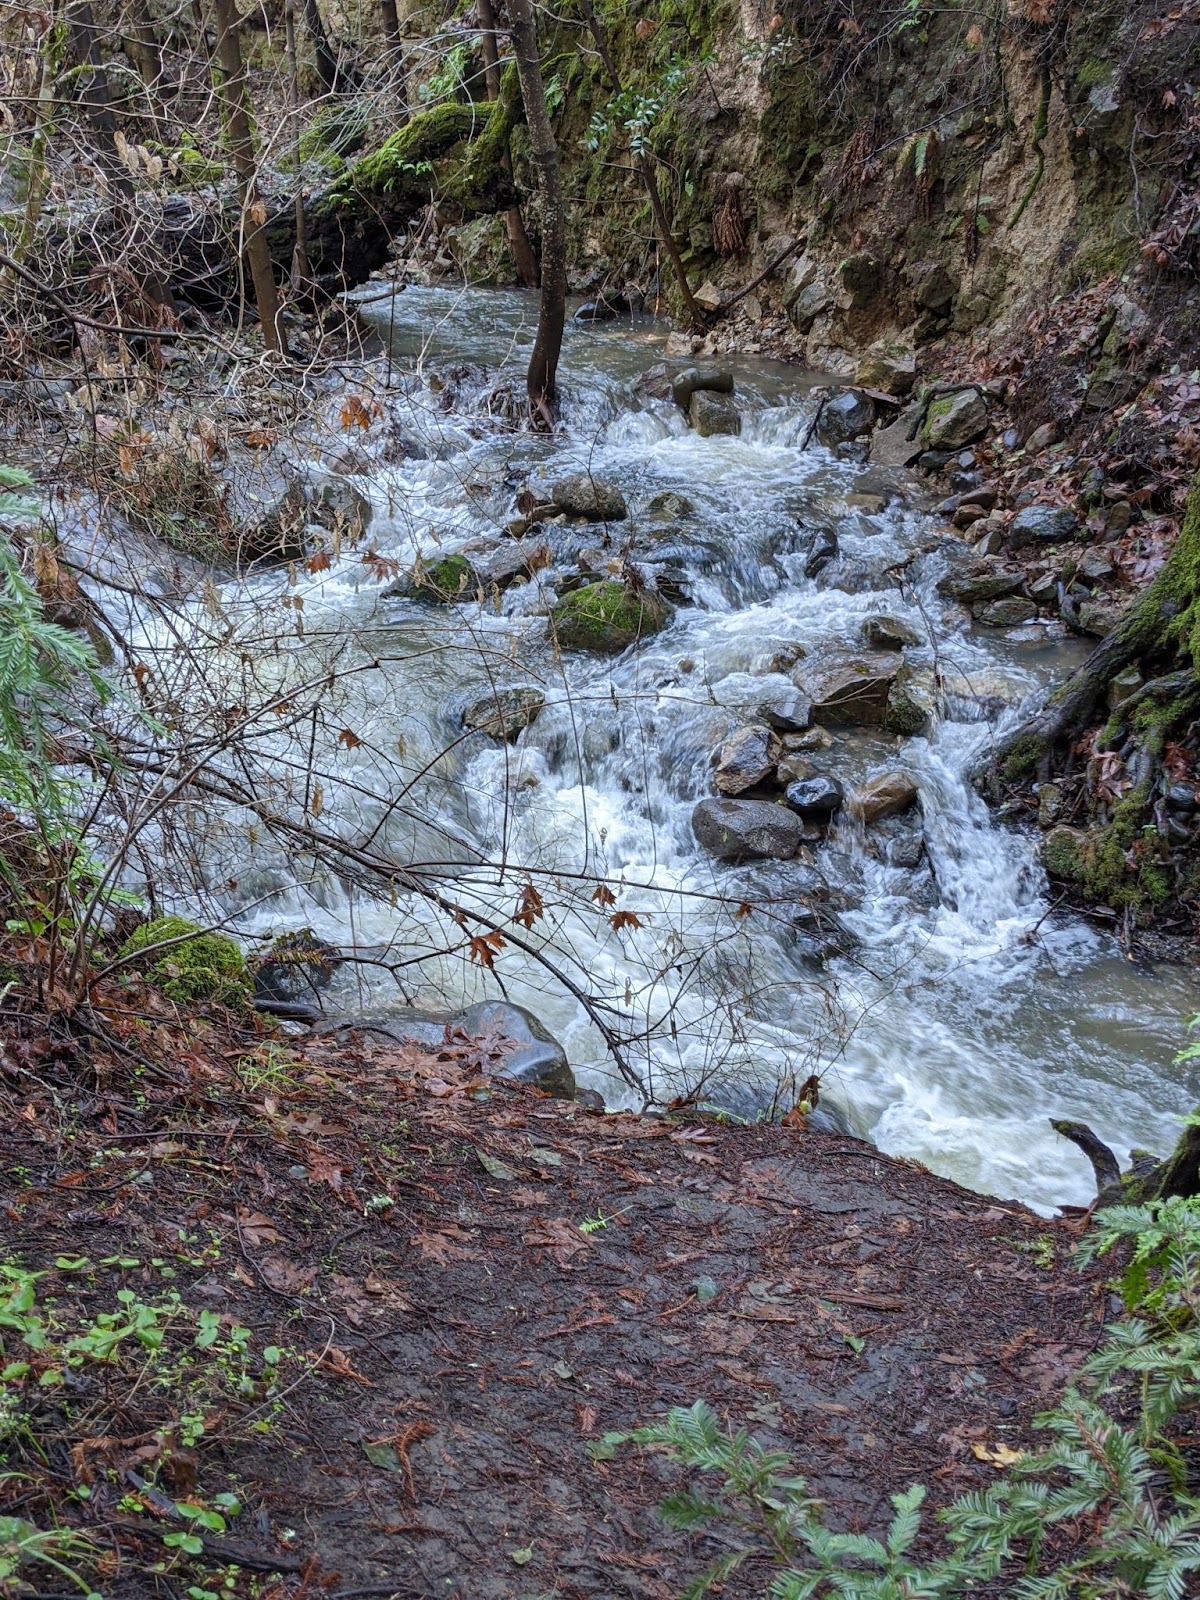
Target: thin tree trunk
695 315
391 29
543 363
301 271
148 54
39 141
523 259
327 67
232 93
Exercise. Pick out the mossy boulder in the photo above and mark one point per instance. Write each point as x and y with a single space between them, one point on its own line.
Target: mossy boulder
955 420
438 582
608 617
188 964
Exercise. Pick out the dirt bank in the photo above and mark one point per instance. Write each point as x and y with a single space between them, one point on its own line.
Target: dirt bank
463 1286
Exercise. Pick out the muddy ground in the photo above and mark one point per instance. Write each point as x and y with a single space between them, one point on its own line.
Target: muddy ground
472 1284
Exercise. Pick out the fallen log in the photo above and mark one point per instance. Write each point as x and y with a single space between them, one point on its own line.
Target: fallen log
1148 1178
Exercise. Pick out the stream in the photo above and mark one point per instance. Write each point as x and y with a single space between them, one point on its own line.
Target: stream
963 1013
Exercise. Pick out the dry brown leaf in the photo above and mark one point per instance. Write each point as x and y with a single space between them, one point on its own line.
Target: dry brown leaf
257 1229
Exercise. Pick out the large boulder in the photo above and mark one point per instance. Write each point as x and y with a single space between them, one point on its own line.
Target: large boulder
582 495
747 830
1042 525
711 414
746 759
504 713
848 689
608 617
955 420
844 416
440 582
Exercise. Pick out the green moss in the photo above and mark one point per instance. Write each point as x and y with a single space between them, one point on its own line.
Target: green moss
607 617
1092 72
905 715
1023 758
403 160
1064 856
335 132
196 966
448 578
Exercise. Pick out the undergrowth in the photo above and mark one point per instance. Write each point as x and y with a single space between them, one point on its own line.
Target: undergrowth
1108 1508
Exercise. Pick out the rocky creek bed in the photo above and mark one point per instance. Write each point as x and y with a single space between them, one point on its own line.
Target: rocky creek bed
714 688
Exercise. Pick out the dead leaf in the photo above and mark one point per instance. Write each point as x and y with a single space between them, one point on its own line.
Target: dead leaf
559 1235
444 1245
285 1276
335 1360
257 1229
999 1456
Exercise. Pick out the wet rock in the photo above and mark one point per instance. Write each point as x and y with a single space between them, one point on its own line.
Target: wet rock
1044 587
511 563
1042 525
671 506
975 587
782 659
295 967
873 505
848 689
693 380
1042 438
786 713
815 798
905 715
505 713
889 367
933 288
607 617
990 542
809 303
746 759
1012 612
792 768
954 420
581 495
441 582
888 633
811 739
891 794
532 1055
844 417
746 830
820 935
1183 799
823 549
899 843
711 414
861 277
599 311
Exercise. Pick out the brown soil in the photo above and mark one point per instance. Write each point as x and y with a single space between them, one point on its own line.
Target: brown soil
878 1321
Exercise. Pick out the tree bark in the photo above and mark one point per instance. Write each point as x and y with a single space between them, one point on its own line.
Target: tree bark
327 67
232 92
695 315
543 364
1165 620
301 272
148 54
523 259
1178 1175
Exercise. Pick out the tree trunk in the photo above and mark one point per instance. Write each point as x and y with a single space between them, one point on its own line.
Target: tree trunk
1178 1175
327 67
148 55
523 259
695 315
301 272
231 91
1165 620
543 364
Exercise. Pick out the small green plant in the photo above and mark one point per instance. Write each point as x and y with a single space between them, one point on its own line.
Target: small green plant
23 1545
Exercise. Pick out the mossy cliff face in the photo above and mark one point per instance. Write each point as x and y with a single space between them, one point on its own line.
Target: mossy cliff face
980 160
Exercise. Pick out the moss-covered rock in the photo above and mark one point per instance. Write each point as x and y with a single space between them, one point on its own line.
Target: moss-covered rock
607 617
194 965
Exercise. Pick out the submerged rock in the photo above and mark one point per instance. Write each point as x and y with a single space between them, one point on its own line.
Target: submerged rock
820 935
670 505
505 713
608 617
594 499
746 759
747 830
440 582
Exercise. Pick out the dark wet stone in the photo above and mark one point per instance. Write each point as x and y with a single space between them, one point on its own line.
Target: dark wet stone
745 830
815 798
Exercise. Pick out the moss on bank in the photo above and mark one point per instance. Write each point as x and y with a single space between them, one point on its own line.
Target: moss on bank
194 965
